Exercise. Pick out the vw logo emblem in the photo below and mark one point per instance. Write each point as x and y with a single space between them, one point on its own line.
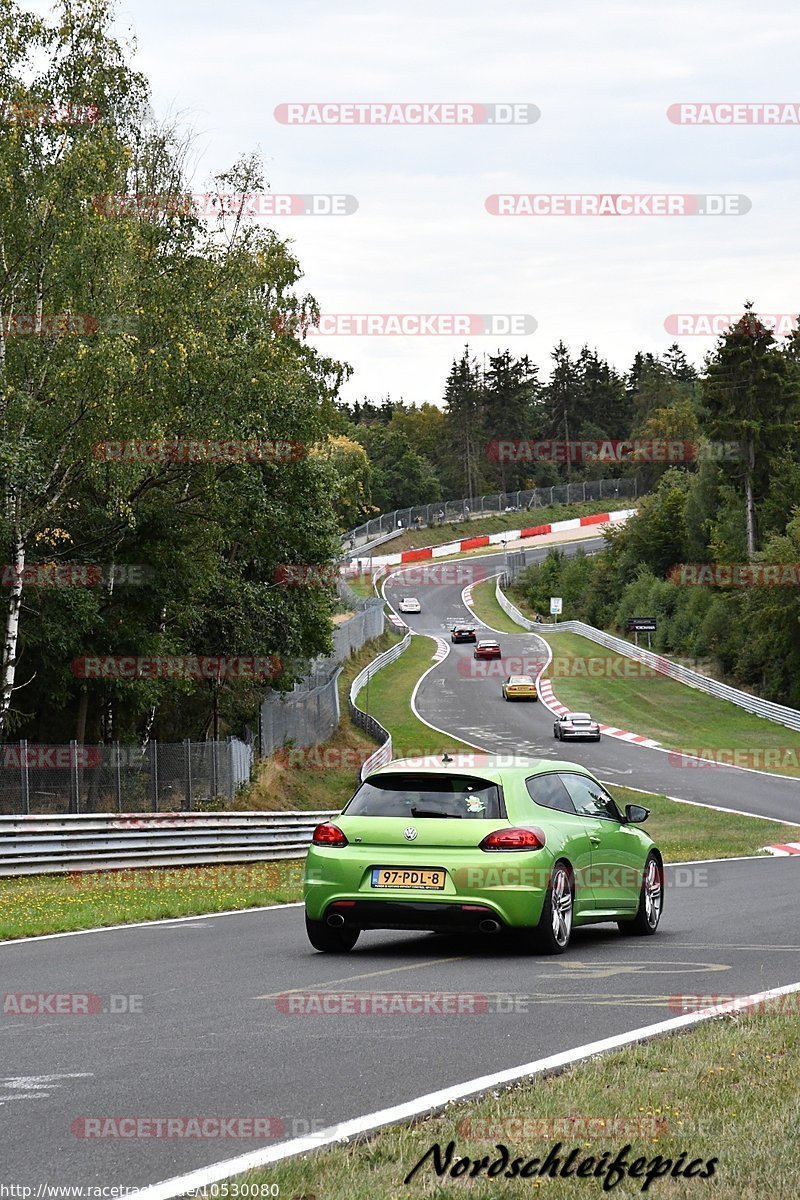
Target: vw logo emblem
410 833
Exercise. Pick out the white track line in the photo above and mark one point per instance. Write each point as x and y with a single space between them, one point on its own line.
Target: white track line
434 1101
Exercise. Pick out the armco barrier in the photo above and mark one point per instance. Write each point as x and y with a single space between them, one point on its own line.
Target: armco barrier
42 845
383 754
780 713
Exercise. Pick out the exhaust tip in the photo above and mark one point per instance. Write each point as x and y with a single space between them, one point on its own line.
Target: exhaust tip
335 919
489 926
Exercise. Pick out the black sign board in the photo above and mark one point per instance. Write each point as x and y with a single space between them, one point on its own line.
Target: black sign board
641 625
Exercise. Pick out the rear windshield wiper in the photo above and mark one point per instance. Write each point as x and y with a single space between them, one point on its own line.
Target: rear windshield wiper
426 812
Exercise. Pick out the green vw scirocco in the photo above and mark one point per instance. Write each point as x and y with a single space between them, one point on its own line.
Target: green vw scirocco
472 844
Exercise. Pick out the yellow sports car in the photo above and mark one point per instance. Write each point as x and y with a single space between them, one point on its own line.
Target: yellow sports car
520 687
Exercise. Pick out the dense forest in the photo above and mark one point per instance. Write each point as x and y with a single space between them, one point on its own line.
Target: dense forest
739 513
400 455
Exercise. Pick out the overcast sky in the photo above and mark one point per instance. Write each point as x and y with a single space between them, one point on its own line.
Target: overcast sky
603 76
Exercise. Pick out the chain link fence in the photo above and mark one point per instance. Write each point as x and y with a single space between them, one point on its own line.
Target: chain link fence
469 507
159 777
310 713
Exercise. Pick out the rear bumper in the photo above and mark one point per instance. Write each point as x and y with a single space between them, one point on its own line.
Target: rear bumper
434 915
507 887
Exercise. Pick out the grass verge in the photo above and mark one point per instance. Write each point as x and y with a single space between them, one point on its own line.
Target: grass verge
388 702
686 832
679 717
723 1091
485 606
82 900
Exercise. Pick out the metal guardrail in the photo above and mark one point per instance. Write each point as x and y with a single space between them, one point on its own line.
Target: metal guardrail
779 713
47 845
383 754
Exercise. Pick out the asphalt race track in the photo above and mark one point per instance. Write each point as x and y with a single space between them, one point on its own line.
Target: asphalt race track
458 697
205 1044
212 1038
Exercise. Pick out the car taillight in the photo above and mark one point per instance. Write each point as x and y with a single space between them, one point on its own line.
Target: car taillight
329 835
514 839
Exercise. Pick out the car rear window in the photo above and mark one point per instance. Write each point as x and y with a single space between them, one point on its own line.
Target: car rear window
421 796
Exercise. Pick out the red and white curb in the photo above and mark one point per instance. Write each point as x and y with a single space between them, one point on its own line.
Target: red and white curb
393 617
783 849
624 735
442 650
496 539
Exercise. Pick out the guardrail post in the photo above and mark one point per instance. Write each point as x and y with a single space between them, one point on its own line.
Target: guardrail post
118 776
74 784
154 772
187 749
25 788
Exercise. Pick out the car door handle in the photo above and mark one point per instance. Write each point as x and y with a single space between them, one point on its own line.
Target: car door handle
594 839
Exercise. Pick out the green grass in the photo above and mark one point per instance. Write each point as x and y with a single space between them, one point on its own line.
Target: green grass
485 606
726 1089
82 900
679 717
438 535
686 832
388 702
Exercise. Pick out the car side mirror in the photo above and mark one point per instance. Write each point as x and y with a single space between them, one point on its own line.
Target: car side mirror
636 813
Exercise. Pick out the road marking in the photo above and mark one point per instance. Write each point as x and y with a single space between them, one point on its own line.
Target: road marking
35 1087
434 1101
433 962
605 969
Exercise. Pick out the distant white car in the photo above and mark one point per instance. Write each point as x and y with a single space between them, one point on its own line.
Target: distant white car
410 604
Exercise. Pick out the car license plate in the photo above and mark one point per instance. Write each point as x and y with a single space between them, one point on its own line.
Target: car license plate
426 878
